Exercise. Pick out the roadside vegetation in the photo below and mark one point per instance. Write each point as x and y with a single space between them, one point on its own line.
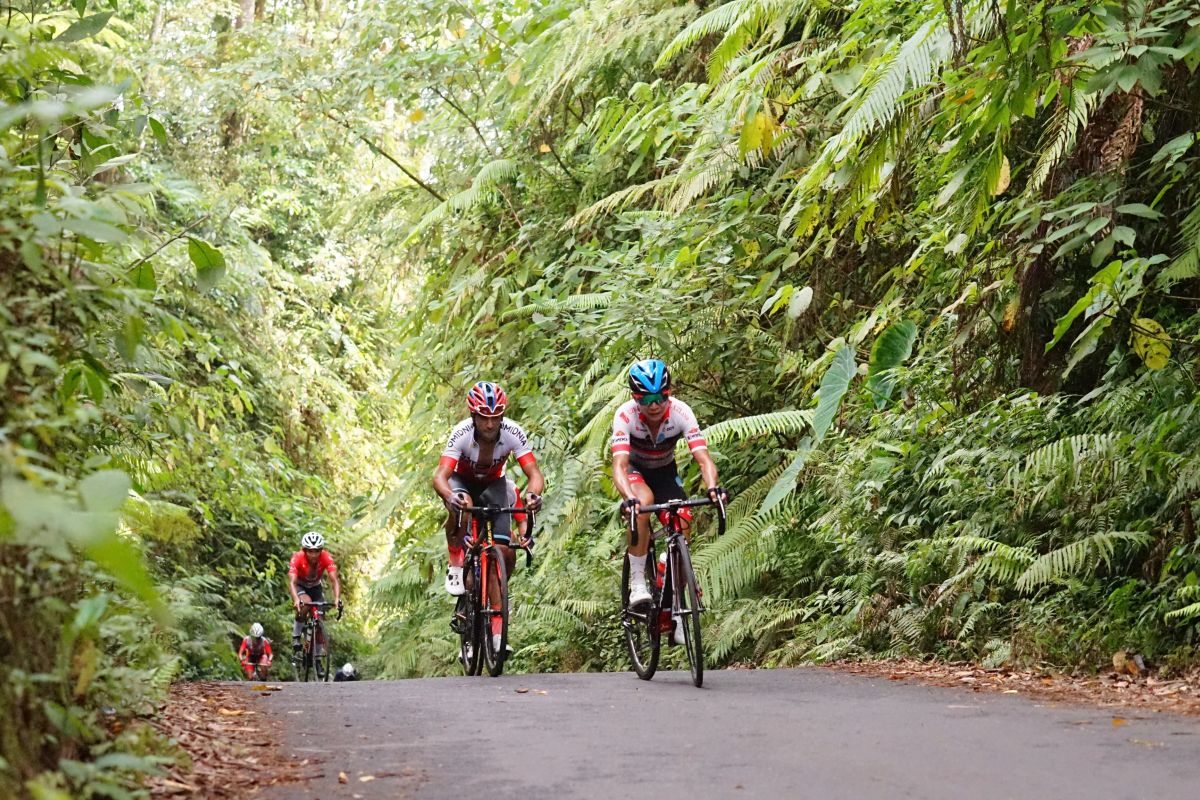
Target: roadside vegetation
928 272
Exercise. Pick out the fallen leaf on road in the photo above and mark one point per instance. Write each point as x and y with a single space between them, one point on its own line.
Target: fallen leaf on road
343 777
541 691
522 690
232 712
366 778
1118 722
1010 691
297 711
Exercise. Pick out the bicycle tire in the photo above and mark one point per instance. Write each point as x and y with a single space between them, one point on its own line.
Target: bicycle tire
321 660
688 604
493 656
468 636
307 654
642 637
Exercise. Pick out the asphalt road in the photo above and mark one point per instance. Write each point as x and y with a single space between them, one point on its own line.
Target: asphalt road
780 734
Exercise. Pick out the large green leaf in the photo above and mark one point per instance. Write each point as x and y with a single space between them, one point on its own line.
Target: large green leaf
833 388
209 261
84 28
787 480
892 348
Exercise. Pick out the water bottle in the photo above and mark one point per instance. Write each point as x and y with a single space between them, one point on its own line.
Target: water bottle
661 570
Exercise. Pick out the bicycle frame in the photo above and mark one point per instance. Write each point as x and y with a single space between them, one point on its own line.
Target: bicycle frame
643 628
479 554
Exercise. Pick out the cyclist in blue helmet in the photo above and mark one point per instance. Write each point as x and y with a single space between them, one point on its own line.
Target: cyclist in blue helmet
645 431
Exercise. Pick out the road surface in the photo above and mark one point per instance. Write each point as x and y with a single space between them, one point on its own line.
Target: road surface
780 734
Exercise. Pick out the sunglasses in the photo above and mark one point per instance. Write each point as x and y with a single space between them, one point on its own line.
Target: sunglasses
651 399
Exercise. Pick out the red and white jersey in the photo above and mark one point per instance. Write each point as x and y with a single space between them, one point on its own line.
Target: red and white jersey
631 434
308 578
462 451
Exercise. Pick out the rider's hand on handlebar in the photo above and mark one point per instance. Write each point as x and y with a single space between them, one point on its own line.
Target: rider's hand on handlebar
533 501
340 607
718 494
628 504
459 501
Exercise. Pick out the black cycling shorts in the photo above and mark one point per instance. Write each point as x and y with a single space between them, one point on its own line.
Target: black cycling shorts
500 492
664 482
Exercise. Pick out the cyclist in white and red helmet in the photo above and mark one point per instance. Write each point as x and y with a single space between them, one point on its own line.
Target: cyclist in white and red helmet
471 472
308 566
255 650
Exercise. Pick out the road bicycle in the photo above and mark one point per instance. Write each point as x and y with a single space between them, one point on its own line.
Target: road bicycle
483 571
259 673
645 623
313 659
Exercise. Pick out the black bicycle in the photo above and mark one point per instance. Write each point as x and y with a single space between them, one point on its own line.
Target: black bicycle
313 658
483 570
645 623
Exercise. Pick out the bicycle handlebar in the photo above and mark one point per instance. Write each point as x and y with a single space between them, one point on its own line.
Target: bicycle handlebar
673 507
321 604
495 511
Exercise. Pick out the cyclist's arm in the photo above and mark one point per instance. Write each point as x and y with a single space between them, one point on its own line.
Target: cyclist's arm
337 587
441 478
267 654
243 651
292 589
535 482
708 470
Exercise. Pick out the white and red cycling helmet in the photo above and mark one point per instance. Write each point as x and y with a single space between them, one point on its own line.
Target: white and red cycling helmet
487 399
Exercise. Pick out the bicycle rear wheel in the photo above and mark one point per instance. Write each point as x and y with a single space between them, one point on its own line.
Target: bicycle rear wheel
640 624
497 576
689 609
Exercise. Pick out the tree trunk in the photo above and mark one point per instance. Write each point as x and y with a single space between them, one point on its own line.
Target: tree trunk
247 13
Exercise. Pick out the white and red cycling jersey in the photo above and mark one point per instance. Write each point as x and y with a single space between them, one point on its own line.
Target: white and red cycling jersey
631 434
462 451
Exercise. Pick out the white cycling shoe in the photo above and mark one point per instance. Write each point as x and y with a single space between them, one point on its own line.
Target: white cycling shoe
639 593
454 581
508 648
677 631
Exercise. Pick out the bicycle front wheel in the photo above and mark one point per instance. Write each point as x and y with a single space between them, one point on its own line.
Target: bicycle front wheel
689 610
322 652
640 624
497 579
467 621
307 653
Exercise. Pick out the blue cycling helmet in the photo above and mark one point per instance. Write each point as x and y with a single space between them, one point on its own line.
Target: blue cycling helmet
649 376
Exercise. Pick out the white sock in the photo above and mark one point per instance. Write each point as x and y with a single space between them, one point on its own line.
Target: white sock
637 568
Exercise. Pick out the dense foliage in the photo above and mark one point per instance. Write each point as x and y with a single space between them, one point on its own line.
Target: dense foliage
928 272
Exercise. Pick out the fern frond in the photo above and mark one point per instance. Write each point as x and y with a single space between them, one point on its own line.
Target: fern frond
1079 558
788 423
613 202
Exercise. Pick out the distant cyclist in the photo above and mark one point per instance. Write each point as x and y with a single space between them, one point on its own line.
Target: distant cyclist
255 651
308 566
346 673
645 430
471 472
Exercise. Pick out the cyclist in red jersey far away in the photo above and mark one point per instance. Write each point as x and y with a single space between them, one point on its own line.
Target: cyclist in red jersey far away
255 650
308 566
471 472
645 430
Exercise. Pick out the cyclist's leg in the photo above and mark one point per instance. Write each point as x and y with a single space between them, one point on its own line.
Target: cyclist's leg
298 623
454 531
645 496
514 499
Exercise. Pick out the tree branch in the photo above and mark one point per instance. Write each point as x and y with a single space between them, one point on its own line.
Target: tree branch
450 102
380 151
